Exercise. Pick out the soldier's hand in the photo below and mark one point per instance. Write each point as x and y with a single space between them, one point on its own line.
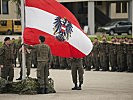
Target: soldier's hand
1 66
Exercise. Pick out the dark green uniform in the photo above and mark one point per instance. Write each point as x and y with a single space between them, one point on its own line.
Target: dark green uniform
63 63
95 56
34 58
104 56
88 62
55 62
28 60
14 45
76 66
121 50
130 57
43 60
113 56
6 54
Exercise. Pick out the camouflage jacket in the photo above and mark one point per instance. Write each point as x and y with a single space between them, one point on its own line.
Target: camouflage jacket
103 47
129 48
121 48
6 54
43 52
112 48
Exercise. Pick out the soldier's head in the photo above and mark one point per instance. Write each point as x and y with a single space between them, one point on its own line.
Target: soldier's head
13 40
129 40
113 39
95 40
7 41
104 39
42 39
126 39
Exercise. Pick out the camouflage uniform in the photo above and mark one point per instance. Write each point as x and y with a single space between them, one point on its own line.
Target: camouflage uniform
121 50
104 56
6 54
113 56
130 57
62 62
43 60
95 56
88 62
55 62
76 65
14 45
28 60
34 58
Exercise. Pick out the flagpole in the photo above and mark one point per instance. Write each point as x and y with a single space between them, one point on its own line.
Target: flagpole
23 53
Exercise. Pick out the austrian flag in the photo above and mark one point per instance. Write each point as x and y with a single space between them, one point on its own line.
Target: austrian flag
59 26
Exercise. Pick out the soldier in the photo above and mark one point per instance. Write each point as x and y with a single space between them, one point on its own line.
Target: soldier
6 63
19 45
104 54
95 54
113 55
121 50
76 65
62 62
14 45
28 60
88 62
130 55
43 60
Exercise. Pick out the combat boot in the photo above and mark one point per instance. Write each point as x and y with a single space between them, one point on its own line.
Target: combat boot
79 88
20 78
75 88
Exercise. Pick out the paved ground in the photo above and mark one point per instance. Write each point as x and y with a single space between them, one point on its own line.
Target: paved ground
97 86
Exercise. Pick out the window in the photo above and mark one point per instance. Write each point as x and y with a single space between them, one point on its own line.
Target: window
3 23
124 7
5 7
118 7
17 23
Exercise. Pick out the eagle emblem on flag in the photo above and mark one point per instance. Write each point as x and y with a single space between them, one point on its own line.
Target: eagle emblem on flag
62 29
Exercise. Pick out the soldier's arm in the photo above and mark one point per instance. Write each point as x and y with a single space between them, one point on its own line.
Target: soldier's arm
1 56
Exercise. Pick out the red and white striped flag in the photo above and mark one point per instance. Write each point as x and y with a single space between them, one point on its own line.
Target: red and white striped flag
59 26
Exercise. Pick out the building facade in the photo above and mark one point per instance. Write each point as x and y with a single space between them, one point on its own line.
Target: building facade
91 13
8 10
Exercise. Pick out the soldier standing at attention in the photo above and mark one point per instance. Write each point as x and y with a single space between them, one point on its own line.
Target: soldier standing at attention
113 55
121 50
43 60
14 45
6 63
130 55
95 54
104 54
76 66
28 60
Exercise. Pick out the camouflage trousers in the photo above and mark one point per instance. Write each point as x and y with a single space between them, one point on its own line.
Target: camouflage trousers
42 74
74 70
7 72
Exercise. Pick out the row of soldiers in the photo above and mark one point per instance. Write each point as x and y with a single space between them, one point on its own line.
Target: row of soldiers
114 55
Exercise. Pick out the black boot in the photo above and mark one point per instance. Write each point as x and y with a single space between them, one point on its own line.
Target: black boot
20 78
75 88
79 88
46 91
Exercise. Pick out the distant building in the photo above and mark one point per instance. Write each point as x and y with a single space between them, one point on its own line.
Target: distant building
8 10
91 13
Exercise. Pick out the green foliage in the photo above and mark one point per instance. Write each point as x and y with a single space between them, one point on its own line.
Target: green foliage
92 37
